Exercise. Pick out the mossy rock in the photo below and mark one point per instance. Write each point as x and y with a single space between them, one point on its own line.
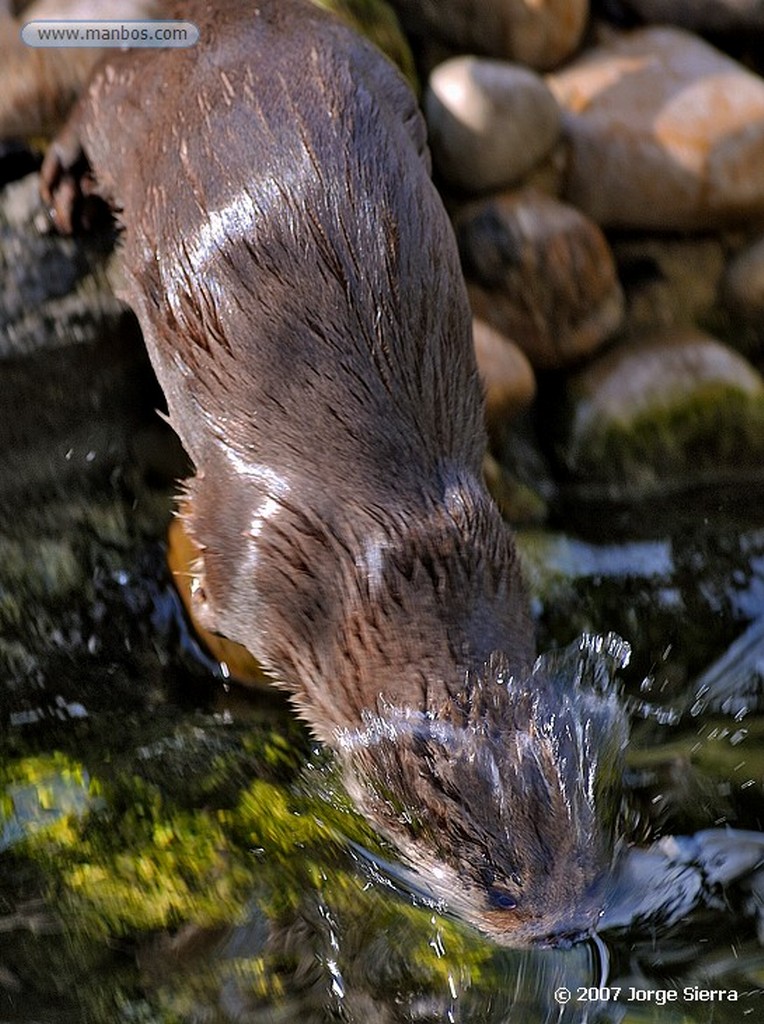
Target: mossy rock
664 413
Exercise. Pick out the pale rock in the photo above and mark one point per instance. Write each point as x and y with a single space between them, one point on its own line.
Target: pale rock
664 410
665 133
490 122
506 375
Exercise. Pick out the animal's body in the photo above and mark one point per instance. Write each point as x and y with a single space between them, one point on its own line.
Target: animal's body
298 286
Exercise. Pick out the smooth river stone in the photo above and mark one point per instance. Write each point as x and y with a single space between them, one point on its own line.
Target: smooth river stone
507 376
490 122
743 283
665 133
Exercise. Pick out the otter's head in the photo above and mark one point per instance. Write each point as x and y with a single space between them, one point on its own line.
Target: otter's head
505 804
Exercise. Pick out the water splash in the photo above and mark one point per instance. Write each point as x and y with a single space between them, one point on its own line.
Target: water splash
734 683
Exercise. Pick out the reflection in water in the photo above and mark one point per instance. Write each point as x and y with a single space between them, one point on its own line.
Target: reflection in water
734 684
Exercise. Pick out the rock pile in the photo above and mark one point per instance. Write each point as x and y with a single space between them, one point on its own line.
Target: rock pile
606 186
608 199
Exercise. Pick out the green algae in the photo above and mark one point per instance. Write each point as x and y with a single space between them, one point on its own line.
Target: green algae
42 795
715 434
133 860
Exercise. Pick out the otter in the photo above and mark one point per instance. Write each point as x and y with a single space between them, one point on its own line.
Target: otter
296 279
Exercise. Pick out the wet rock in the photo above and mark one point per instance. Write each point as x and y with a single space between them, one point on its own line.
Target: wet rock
490 122
540 34
665 133
666 410
703 15
518 502
677 875
78 393
53 290
507 376
542 274
734 684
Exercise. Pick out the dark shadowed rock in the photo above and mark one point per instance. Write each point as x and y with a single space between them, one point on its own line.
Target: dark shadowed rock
541 273
540 34
703 15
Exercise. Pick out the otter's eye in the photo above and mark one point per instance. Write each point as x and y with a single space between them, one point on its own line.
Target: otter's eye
500 899
198 593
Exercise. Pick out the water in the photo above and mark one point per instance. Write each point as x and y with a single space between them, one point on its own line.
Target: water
173 849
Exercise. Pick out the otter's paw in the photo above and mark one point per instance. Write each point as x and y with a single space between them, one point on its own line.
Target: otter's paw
67 186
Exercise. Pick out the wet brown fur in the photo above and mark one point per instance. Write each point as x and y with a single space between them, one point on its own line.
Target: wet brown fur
298 286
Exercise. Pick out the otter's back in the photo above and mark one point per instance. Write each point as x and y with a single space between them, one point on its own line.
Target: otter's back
282 223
